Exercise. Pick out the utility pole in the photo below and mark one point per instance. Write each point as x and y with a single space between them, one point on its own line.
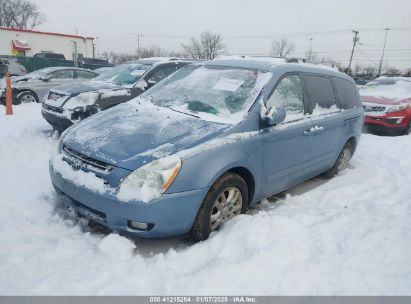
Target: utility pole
309 53
138 45
75 54
383 51
355 40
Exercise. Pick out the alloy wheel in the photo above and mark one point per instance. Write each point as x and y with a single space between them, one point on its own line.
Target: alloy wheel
344 159
227 205
27 98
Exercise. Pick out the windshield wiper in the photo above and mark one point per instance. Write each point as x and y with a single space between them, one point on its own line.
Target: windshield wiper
187 113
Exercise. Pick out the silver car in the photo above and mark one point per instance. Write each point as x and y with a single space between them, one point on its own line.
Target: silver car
33 86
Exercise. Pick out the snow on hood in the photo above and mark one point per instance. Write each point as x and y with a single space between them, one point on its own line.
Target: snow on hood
386 90
83 87
132 134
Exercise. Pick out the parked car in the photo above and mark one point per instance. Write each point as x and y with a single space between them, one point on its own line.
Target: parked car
66 105
387 105
33 87
203 145
50 55
359 82
14 67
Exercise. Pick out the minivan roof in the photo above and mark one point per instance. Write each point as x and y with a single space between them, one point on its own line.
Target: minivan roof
272 63
158 60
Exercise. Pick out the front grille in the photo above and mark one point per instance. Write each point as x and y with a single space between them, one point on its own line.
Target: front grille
87 160
51 108
374 109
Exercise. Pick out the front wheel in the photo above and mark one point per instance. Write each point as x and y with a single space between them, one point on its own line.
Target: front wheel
26 97
342 161
227 198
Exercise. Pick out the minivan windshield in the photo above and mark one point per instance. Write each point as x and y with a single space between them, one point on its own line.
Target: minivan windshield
217 93
125 75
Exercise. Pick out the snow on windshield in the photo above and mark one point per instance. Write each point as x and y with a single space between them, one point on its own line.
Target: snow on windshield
394 89
221 94
125 75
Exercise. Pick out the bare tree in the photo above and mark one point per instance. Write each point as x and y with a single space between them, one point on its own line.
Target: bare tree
282 48
331 62
365 71
20 14
392 71
208 46
152 51
312 56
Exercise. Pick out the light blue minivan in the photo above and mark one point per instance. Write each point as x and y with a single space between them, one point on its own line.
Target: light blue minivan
207 142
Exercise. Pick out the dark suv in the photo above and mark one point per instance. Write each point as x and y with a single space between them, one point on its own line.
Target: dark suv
67 104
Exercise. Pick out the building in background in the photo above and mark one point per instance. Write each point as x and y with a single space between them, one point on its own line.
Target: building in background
18 42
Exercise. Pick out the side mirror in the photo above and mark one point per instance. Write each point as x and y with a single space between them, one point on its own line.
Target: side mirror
3 70
151 82
274 116
46 77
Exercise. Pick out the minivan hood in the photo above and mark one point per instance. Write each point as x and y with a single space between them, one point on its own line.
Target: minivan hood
135 133
83 87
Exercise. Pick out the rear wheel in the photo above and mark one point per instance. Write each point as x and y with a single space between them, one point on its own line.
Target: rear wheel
342 162
26 97
227 198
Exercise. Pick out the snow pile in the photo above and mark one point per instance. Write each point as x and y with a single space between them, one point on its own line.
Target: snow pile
349 235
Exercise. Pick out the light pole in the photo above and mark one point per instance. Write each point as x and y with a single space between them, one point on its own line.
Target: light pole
383 51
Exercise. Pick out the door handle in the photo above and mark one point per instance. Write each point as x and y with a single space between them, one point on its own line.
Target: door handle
314 130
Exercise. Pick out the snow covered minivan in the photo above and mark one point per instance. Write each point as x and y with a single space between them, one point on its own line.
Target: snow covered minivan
204 144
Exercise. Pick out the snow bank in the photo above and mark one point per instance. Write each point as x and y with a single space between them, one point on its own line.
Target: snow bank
347 236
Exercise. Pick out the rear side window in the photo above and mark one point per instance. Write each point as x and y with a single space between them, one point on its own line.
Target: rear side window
347 94
321 94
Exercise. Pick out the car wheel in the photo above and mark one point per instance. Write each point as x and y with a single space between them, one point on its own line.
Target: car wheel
408 129
227 198
26 97
342 162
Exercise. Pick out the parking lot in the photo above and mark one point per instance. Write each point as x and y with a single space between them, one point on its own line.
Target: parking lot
348 235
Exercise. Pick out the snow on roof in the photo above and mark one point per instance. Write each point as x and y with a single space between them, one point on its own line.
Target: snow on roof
266 62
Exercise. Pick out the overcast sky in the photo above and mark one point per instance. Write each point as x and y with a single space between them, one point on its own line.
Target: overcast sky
247 26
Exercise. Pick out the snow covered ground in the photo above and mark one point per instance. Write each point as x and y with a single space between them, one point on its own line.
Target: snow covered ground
348 236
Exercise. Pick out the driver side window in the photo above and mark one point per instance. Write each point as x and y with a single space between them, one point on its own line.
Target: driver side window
62 74
289 94
162 73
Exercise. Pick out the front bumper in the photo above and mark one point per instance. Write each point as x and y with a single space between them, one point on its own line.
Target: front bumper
59 121
169 215
388 122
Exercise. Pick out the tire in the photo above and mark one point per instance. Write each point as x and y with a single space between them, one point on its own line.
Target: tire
213 212
26 97
342 161
407 130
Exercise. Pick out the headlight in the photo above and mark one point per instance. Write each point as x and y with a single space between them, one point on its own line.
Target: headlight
398 108
149 181
81 100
